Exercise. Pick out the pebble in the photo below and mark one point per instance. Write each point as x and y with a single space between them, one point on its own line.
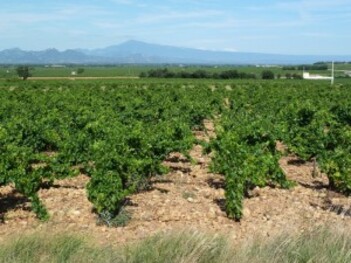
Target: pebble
212 215
190 200
77 213
246 213
201 161
207 194
221 192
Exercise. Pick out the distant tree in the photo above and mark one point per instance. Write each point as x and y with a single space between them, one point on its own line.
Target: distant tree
267 74
318 66
169 74
158 73
251 76
244 75
200 74
184 74
215 75
23 72
289 68
197 74
229 74
142 75
80 71
296 76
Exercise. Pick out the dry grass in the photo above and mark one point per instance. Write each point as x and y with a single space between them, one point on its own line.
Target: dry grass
188 246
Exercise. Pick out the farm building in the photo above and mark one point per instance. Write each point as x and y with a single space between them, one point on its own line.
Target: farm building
307 75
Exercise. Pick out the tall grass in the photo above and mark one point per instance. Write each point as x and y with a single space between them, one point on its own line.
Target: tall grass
39 247
323 245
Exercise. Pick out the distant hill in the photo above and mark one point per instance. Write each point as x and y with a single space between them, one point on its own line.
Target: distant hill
142 53
48 56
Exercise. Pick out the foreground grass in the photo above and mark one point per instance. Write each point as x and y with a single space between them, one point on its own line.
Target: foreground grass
187 246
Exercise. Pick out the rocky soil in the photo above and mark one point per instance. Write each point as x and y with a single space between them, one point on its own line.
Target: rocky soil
190 196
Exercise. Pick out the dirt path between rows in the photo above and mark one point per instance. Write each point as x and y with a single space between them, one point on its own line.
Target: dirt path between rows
81 78
189 196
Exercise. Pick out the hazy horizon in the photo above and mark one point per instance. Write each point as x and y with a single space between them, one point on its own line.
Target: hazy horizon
297 27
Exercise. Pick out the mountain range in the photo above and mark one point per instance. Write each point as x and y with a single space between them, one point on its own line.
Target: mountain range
136 52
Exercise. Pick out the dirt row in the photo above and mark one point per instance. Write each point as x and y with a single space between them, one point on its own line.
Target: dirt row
81 78
189 196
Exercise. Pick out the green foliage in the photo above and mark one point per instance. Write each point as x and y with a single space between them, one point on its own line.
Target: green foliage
106 192
315 66
320 128
120 135
245 153
23 72
267 74
111 220
197 74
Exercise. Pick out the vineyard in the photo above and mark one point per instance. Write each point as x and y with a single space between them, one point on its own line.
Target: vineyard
119 134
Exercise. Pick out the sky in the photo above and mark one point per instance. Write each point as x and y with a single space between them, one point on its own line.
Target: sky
316 27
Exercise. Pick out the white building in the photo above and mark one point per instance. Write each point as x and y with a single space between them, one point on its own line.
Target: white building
307 75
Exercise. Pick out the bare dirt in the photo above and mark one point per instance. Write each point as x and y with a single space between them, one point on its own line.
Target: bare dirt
189 196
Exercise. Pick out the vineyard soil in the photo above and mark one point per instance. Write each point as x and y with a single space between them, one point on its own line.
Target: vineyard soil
188 196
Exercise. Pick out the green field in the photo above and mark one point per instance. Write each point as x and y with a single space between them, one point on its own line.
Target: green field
88 71
135 70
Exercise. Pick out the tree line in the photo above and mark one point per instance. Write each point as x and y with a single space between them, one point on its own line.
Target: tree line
203 74
307 67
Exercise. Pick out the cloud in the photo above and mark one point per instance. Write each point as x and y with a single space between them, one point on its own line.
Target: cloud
109 25
223 23
306 12
316 34
153 18
56 13
30 18
221 43
129 3
123 2
314 11
311 5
